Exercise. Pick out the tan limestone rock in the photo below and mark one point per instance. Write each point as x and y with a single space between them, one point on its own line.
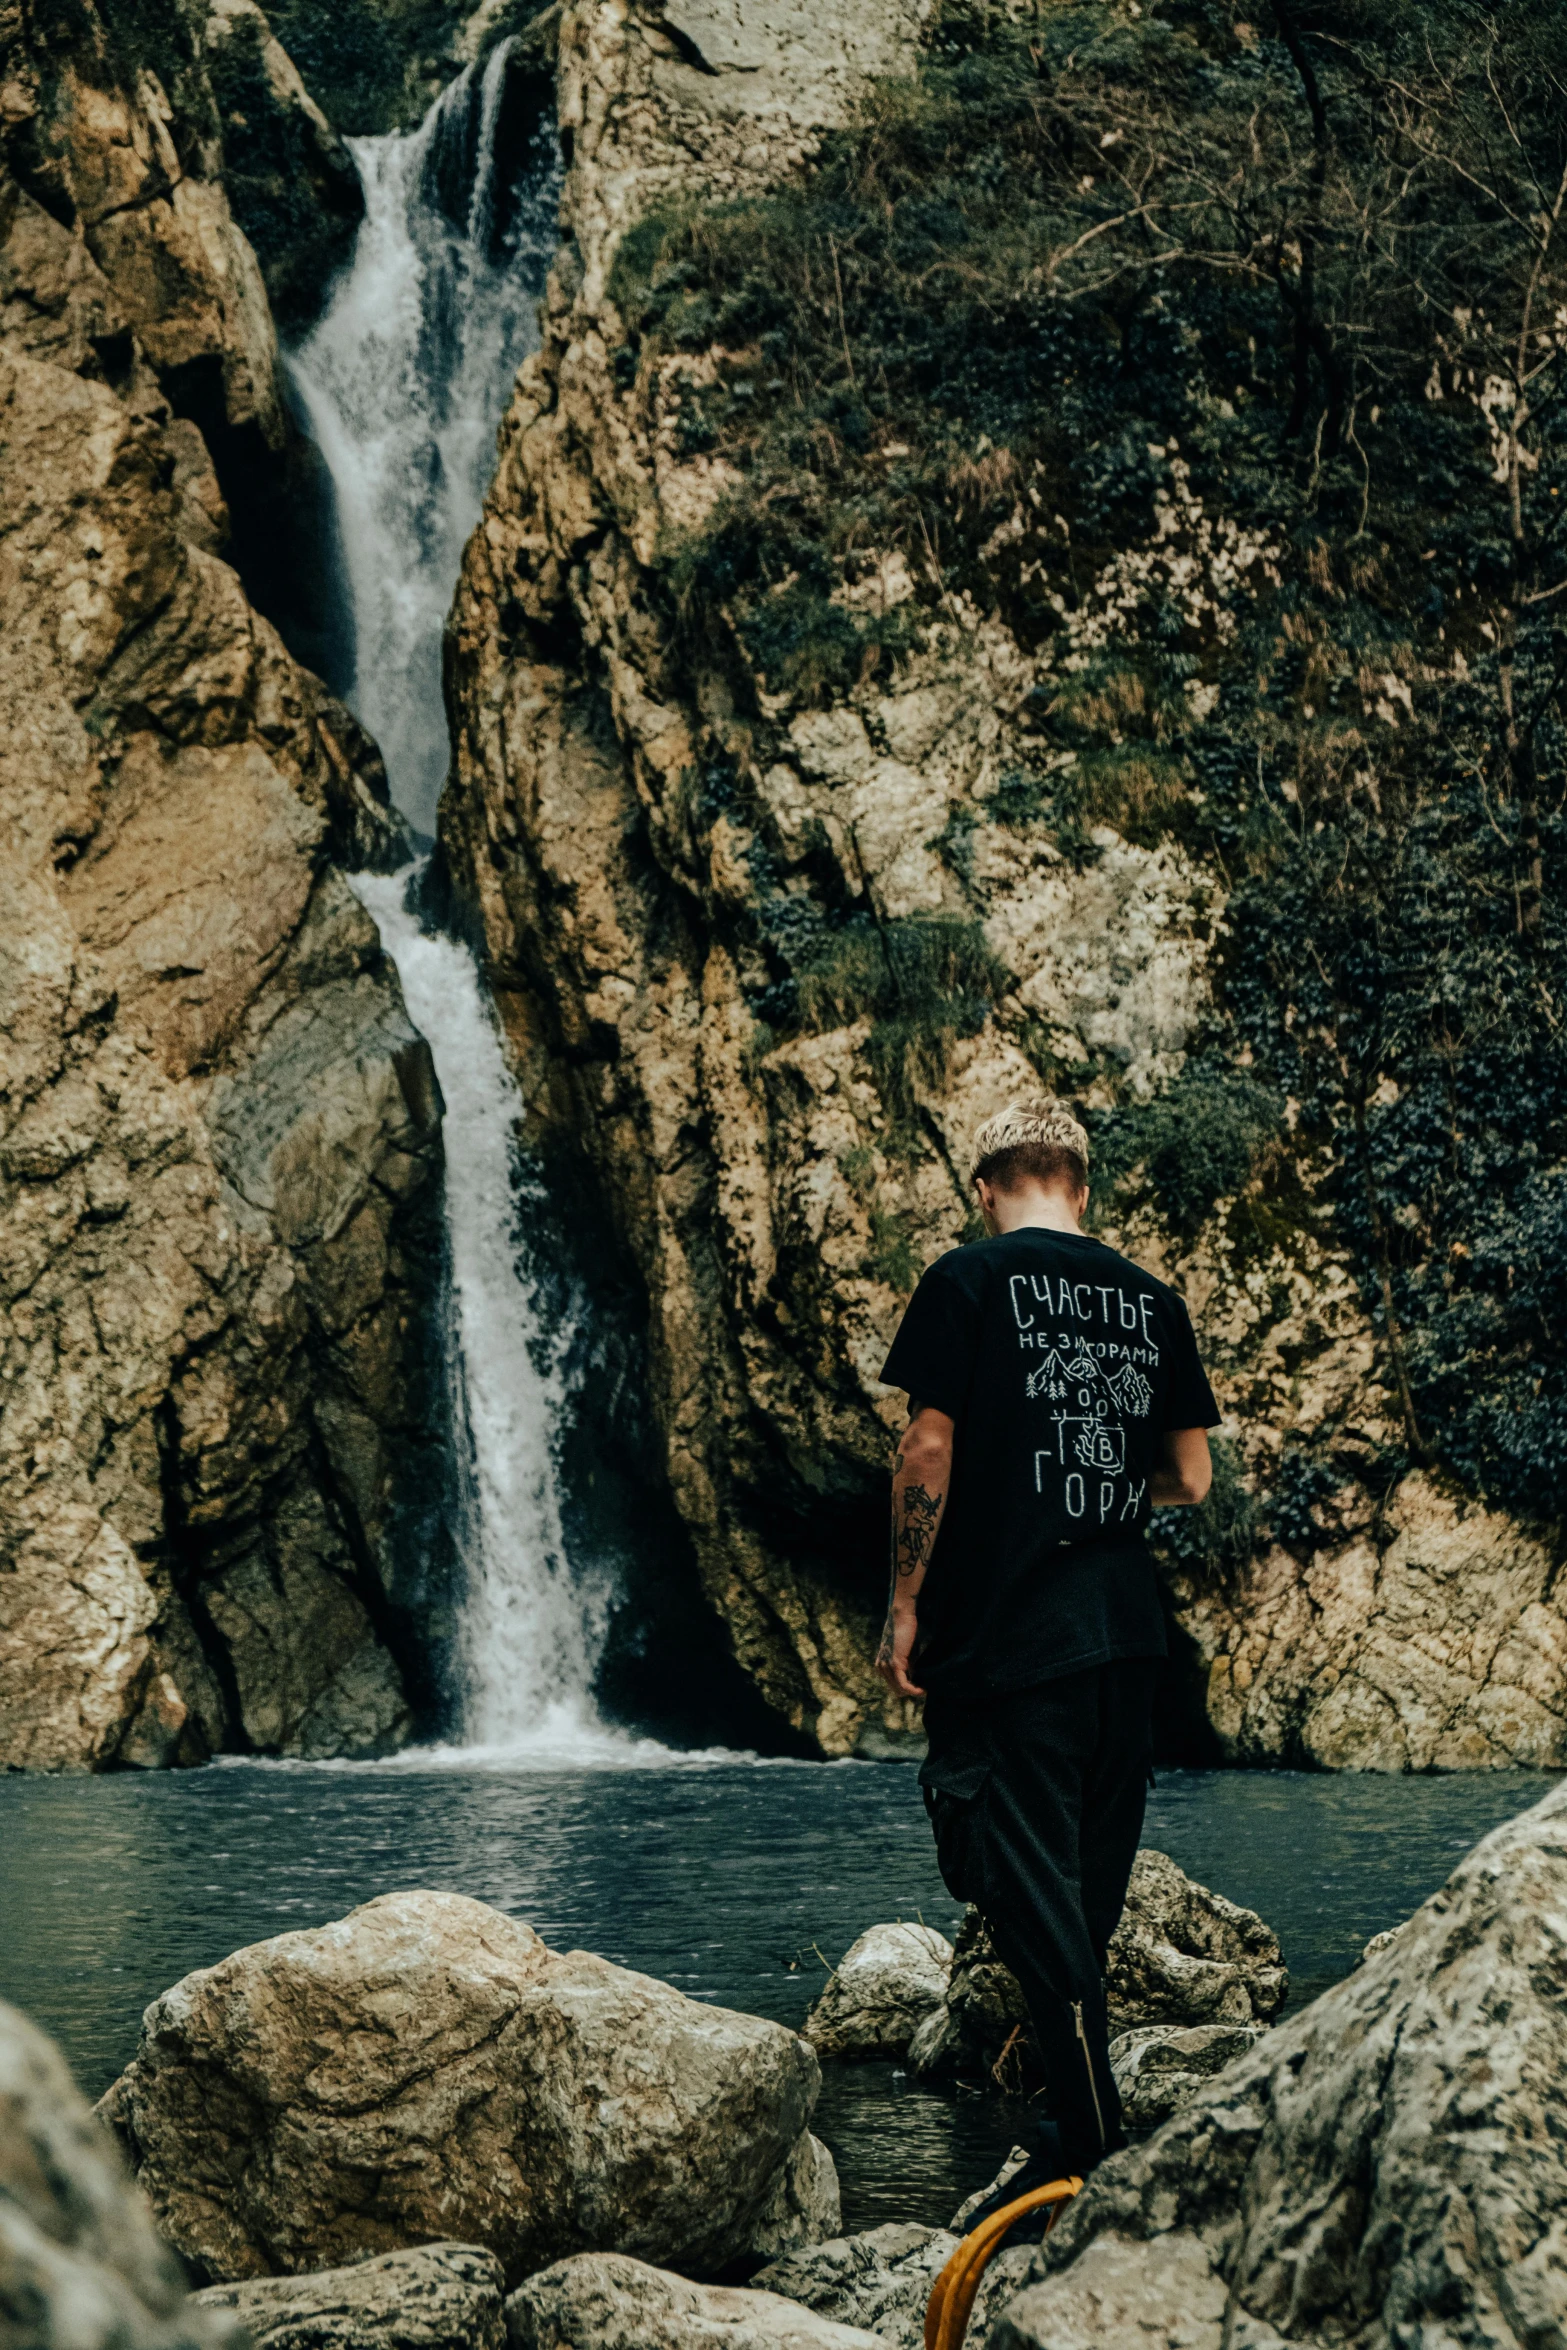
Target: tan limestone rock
1159 2068
1442 1649
217 1128
1383 2168
604 2301
426 2065
881 2280
880 1992
435 2297
1179 1956
81 2265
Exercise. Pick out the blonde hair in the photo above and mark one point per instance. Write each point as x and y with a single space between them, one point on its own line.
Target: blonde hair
1039 1138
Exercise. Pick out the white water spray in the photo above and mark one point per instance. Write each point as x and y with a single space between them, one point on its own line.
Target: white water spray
403 383
532 1626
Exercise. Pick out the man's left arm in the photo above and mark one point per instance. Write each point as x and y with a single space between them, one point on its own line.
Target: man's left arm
1184 1471
921 1475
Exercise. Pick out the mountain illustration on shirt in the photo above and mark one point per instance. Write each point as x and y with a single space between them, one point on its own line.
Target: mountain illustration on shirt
1088 1432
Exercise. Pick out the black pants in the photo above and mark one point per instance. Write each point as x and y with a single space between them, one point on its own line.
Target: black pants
1037 1803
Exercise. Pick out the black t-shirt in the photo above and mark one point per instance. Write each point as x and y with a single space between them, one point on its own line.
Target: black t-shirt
1063 1365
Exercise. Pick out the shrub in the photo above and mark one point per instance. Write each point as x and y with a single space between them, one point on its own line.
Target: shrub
1199 1142
922 982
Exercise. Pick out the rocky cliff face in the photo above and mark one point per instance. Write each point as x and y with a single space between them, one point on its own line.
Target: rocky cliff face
776 908
219 1135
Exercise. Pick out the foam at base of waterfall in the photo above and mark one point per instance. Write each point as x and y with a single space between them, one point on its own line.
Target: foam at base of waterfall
533 1620
609 1750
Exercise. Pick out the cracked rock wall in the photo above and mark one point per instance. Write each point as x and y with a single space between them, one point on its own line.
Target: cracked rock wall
604 834
618 914
219 1134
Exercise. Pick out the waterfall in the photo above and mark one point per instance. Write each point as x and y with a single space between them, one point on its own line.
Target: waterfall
533 1622
402 385
404 380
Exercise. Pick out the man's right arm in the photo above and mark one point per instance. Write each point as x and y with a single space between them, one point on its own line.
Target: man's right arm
921 1475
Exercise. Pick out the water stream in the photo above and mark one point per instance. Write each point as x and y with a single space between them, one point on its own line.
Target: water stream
534 1619
403 383
406 377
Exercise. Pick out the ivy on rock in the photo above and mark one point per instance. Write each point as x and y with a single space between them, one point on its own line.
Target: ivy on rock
1219 351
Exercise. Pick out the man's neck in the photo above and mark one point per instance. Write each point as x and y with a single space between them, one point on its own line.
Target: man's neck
1032 1206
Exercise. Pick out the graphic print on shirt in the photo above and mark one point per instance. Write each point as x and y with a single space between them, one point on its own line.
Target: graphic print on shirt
1093 1385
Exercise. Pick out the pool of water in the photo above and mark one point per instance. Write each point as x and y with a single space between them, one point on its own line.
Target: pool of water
738 1882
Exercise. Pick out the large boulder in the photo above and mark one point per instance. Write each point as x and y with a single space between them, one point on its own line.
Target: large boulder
435 2297
1387 2168
603 2301
81 2266
1180 1955
880 1992
425 2068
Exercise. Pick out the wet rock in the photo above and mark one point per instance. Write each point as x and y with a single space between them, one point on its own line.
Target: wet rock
879 1993
81 2266
1159 2068
603 2301
880 2280
1384 2168
1180 1955
983 2022
425 2068
436 2297
289 177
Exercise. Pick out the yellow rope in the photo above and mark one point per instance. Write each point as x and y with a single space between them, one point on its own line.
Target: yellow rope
952 2295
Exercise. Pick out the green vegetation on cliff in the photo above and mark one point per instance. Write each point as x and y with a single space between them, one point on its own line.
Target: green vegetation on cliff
1221 354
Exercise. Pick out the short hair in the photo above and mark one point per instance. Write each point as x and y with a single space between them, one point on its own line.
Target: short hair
1038 1140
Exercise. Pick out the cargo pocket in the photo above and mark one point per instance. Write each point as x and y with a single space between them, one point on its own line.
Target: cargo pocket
955 1799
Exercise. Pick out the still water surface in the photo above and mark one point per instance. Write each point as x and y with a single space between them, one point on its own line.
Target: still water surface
738 1882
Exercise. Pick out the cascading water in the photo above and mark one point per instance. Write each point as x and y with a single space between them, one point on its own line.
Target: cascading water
405 379
533 1621
403 383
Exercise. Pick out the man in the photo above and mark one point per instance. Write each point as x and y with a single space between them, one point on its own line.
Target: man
1055 1398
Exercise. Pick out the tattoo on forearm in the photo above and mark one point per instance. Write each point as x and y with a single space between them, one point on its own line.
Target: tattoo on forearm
914 1515
916 1512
